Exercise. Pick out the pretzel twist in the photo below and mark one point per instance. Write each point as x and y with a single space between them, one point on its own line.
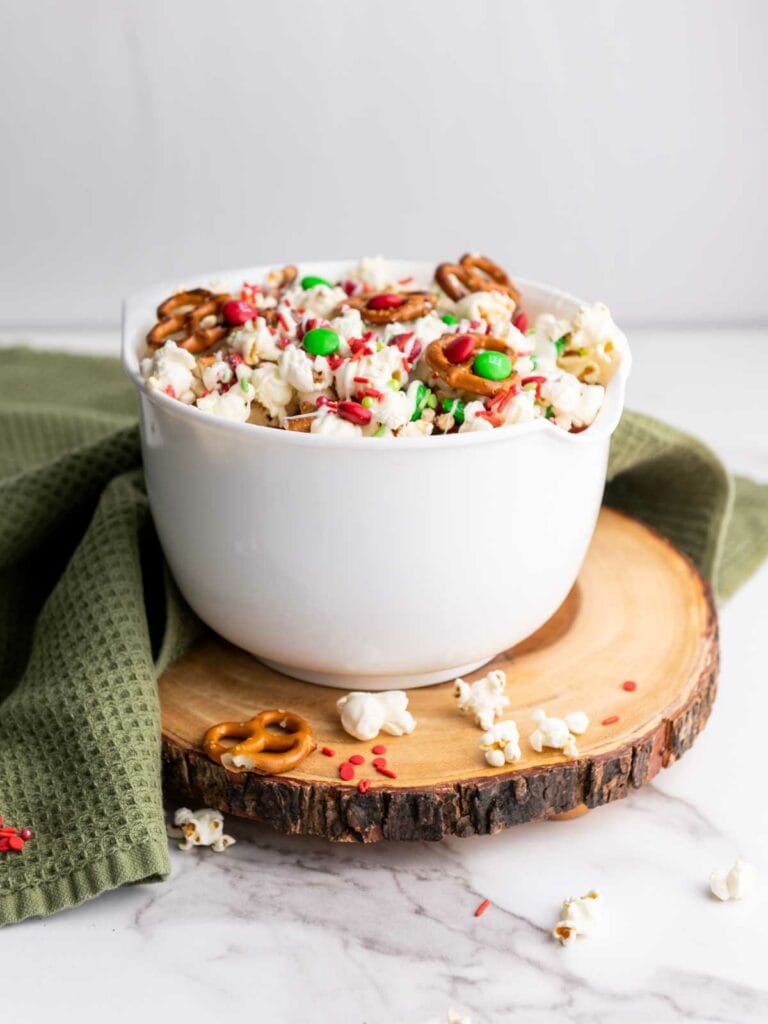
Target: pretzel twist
184 316
460 376
279 280
474 274
413 305
262 751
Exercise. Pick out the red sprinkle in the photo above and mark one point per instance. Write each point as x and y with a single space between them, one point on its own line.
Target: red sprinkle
328 751
610 720
379 749
235 312
355 413
520 321
379 762
357 759
482 908
27 833
284 322
361 380
335 361
629 686
346 771
350 287
460 349
386 301
388 772
8 830
15 843
363 785
533 380
170 391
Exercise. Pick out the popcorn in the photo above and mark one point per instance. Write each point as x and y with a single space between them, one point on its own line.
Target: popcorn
501 744
484 698
735 883
364 715
558 733
200 828
381 362
170 370
579 916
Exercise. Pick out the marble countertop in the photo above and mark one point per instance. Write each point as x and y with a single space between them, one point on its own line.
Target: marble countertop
293 930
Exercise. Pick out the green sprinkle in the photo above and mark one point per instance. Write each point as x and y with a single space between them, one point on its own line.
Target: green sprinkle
423 396
560 345
549 414
530 331
244 384
367 402
454 408
381 431
321 341
582 352
394 384
432 401
449 318
379 346
534 362
310 281
492 365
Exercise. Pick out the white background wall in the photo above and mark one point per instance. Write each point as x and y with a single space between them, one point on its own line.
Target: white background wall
617 149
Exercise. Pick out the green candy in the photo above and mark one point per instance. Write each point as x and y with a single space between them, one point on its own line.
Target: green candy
321 341
449 318
492 365
424 398
310 281
455 408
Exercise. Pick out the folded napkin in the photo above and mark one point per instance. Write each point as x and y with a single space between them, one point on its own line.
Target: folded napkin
89 617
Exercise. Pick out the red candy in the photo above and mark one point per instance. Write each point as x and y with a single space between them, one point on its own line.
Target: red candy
460 349
363 785
27 833
388 772
386 301
346 771
15 843
4 844
629 686
355 413
357 759
328 751
520 321
379 749
237 312
610 720
379 762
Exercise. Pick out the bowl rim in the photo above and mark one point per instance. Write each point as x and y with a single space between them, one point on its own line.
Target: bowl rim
137 305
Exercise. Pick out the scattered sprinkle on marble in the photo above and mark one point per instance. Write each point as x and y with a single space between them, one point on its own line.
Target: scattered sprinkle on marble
610 720
482 907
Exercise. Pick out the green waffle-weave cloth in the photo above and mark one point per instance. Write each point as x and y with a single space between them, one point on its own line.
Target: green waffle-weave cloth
89 616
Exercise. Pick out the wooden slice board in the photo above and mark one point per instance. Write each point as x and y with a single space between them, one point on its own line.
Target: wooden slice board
639 611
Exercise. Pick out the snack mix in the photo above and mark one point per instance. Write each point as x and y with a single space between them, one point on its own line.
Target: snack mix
374 356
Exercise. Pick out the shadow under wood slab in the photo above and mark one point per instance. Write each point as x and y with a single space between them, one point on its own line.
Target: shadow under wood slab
639 611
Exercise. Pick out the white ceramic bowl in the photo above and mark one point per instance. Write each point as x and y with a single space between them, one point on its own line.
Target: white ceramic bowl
373 563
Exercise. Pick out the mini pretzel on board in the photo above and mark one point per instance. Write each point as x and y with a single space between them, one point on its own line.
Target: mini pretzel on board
460 376
257 748
474 274
389 307
192 318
